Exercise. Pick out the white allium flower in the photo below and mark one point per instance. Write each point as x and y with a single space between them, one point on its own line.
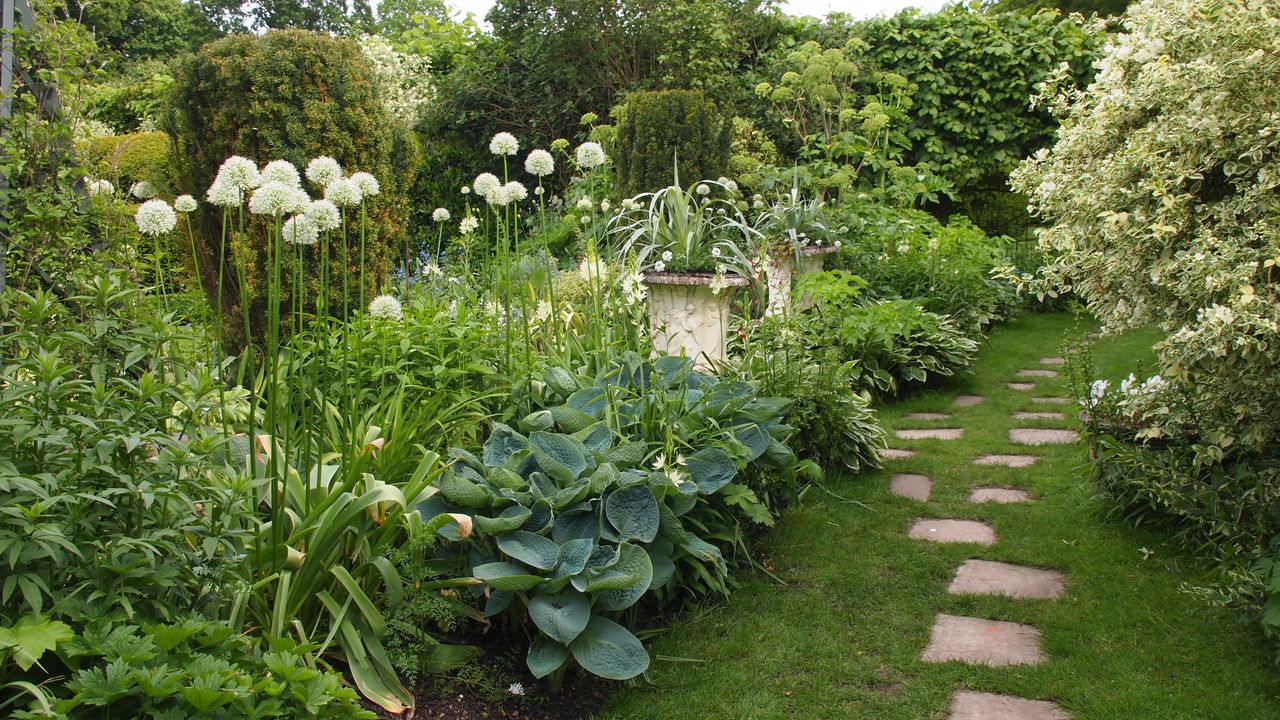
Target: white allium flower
283 172
703 189
99 187
185 204
367 183
298 200
485 184
468 225
272 198
300 230
538 191
324 214
585 219
142 190
238 173
539 163
589 155
757 204
466 190
515 191
323 170
343 192
585 204
504 143
386 307
837 244
440 215
604 205
659 266
224 194
731 185
666 256
500 196
155 217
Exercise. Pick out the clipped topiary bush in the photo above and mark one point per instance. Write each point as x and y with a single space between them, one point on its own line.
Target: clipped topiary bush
127 159
292 95
656 127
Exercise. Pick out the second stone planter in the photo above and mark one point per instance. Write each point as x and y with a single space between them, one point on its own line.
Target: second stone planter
687 318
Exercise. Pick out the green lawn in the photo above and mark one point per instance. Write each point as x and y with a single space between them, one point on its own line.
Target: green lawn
842 638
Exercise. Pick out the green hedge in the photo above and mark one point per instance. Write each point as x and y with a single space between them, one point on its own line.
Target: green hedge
656 127
126 159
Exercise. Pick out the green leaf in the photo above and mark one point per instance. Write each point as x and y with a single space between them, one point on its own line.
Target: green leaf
461 491
635 562
628 455
562 616
576 524
503 442
505 576
545 656
571 420
589 400
633 511
573 556
711 469
597 437
609 650
559 456
31 637
530 549
560 381
506 521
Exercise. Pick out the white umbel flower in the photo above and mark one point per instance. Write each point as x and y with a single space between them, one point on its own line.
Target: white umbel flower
298 201
343 192
515 191
440 215
367 183
224 195
300 230
659 266
272 198
238 173
323 170
386 307
142 190
590 155
324 214
99 187
504 143
500 197
185 204
540 163
703 189
155 217
585 204
486 184
283 172
468 225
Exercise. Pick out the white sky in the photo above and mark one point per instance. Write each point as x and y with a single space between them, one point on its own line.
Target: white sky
817 8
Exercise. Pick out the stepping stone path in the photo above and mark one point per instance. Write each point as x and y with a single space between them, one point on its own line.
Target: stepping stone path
1038 373
1053 361
1003 496
983 577
976 641
1050 400
969 705
1013 461
1021 386
916 487
932 434
1039 416
896 454
1043 436
953 531
928 416
968 400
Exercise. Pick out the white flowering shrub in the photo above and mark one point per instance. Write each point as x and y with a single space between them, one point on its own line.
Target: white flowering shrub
1161 203
405 78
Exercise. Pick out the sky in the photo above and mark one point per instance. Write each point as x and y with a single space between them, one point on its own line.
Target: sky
817 8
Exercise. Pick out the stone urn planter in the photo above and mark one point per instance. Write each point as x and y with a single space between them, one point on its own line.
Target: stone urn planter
687 318
813 257
780 270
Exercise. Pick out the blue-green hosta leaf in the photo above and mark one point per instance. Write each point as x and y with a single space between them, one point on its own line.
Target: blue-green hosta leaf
498 602
702 549
764 409
560 381
505 576
597 437
506 521
540 518
628 455
538 420
503 442
609 650
543 486
669 525
534 550
571 496
671 371
562 616
605 477
601 559
545 656
590 400
571 420
633 511
560 456
778 455
575 524
711 469
461 491
459 458
754 439
631 568
573 556
663 566
634 561
506 479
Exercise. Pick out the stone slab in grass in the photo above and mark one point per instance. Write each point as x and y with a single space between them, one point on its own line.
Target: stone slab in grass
967 400
1043 436
982 642
970 705
930 434
984 577
1020 386
1039 416
1050 400
1013 461
896 454
928 416
1038 373
1053 361
1001 495
952 531
915 487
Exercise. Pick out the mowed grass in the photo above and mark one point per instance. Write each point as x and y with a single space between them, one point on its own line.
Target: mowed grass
842 638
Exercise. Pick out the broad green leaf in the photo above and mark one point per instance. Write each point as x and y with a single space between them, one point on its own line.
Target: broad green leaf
576 524
597 437
571 496
461 491
628 455
506 521
538 420
540 518
560 381
505 576
530 549
559 456
609 650
754 438
632 567
31 637
711 469
635 561
571 420
633 511
503 442
562 616
545 656
573 556
663 566
589 400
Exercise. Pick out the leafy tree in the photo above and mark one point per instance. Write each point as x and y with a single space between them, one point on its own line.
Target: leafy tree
233 16
1084 7
658 128
144 29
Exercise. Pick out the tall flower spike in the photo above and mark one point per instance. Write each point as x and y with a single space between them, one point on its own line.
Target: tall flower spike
324 214
343 192
185 204
271 198
224 195
590 155
504 143
300 230
539 163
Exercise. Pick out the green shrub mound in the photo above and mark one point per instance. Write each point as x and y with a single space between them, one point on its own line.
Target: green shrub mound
127 159
659 129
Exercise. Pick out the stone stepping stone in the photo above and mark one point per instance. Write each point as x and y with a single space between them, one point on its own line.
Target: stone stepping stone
1050 400
1013 461
968 400
1001 495
982 642
952 531
1043 436
1038 373
928 416
915 487
1021 386
984 577
1053 361
896 454
1039 416
970 705
930 434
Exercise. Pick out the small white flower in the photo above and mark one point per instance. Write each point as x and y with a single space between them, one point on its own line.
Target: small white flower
540 163
703 189
300 230
585 204
515 688
666 256
431 269
538 191
515 191
836 244
1097 391
757 204
283 172
185 204
585 219
343 192
142 190
367 183
441 215
604 205
323 170
271 198
590 155
99 187
731 186
468 225
659 266
504 143
386 307
715 252
237 173
155 217
466 190
324 214
224 195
